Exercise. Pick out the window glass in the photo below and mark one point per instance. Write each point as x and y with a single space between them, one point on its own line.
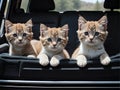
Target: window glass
86 5
72 5
24 5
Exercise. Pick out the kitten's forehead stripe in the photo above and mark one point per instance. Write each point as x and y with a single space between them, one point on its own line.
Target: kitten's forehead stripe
92 26
19 27
54 32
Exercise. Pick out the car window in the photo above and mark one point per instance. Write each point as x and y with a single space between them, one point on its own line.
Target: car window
72 5
24 5
86 5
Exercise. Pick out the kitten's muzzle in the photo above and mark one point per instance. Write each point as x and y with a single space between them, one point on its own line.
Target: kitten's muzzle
20 39
54 44
91 40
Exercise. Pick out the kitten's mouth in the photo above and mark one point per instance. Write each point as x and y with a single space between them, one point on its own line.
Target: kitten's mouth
91 43
54 48
20 43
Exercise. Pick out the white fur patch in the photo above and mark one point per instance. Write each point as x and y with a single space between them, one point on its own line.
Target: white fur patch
43 59
81 61
55 60
106 60
31 56
91 52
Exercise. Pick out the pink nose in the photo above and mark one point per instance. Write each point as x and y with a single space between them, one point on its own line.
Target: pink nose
54 43
91 39
20 38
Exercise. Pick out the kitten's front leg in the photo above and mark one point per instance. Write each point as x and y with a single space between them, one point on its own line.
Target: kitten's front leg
43 59
31 56
81 60
105 59
55 60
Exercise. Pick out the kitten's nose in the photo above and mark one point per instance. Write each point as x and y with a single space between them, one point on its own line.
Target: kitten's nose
20 39
54 44
91 38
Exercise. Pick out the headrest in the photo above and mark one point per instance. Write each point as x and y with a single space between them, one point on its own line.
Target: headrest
41 5
112 4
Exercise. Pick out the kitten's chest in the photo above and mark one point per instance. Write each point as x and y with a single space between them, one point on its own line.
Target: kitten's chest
15 50
51 53
21 50
91 52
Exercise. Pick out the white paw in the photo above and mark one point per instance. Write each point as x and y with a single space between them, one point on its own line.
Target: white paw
32 56
43 59
105 61
81 61
55 61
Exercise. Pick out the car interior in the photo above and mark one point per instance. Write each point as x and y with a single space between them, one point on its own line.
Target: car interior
20 72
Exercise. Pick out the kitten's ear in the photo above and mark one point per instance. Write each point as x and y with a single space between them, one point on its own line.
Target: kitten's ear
103 21
65 28
81 21
43 28
29 23
7 25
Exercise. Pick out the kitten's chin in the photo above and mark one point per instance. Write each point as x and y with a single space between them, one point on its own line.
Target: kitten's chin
20 44
53 49
91 43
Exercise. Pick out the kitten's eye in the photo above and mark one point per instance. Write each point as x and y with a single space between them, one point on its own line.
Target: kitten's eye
97 33
86 33
59 39
15 35
24 34
49 39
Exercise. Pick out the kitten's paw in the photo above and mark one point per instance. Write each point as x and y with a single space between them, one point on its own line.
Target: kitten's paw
43 59
31 56
81 61
105 61
55 61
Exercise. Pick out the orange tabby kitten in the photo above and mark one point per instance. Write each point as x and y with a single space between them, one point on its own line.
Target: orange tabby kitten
92 35
19 37
53 42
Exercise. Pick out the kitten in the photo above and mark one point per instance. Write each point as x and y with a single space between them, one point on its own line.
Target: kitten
92 35
53 42
19 37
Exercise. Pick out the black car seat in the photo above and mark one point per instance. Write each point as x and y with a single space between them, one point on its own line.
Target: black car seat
113 43
39 12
